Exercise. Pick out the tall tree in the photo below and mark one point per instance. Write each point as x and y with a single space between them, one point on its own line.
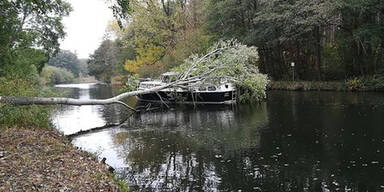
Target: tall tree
103 62
292 31
164 33
83 67
30 25
285 31
362 36
67 60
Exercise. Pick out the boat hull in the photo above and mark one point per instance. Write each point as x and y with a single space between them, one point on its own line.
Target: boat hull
225 97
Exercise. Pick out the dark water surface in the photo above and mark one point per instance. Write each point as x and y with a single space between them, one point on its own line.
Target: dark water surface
296 141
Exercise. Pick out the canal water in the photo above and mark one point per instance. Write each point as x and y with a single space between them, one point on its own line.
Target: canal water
295 141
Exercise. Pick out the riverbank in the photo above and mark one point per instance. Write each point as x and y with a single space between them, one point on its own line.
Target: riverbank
307 86
44 160
350 85
87 79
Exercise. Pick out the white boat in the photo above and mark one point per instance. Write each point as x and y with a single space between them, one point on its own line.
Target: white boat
207 93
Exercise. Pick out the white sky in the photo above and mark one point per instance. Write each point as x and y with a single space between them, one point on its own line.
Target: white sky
86 26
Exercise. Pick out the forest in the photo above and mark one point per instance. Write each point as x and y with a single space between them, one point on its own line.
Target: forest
328 40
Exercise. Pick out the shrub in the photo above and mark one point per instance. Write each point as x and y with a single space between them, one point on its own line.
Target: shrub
355 84
31 115
55 75
375 82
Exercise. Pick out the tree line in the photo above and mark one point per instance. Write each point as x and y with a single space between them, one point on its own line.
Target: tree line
326 39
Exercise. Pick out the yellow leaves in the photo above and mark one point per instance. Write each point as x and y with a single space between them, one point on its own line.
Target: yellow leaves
114 28
147 56
160 34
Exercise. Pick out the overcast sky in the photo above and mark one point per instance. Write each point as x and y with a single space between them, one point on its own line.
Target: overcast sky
86 26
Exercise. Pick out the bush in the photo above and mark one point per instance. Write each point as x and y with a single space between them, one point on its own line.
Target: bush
31 115
22 64
355 84
375 82
55 75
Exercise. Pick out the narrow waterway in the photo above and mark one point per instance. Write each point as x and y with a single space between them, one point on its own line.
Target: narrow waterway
295 141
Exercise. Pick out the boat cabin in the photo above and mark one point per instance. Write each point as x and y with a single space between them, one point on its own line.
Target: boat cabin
169 77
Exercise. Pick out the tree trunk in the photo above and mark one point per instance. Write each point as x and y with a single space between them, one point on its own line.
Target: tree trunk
70 101
319 53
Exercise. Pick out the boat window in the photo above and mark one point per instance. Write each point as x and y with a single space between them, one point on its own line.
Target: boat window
211 88
165 79
202 88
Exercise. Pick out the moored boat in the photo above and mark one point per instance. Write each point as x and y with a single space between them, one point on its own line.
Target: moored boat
206 93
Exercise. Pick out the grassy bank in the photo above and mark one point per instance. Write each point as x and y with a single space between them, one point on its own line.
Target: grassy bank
372 83
307 86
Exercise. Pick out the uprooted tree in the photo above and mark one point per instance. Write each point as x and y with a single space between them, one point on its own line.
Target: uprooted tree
226 59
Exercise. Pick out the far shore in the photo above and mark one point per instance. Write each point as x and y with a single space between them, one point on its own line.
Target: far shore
318 86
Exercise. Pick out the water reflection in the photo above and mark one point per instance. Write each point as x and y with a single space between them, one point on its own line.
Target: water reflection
70 119
313 141
187 149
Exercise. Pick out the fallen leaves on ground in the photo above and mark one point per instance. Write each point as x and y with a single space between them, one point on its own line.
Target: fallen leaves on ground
43 160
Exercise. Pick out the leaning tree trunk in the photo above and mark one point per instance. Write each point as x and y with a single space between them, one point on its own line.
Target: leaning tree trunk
70 101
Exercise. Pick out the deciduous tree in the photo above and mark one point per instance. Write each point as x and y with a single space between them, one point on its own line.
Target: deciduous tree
30 25
67 60
103 62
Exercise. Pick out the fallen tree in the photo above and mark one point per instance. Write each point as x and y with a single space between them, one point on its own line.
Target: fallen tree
70 101
226 59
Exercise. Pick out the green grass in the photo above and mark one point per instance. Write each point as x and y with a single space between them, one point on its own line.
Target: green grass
23 116
123 186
